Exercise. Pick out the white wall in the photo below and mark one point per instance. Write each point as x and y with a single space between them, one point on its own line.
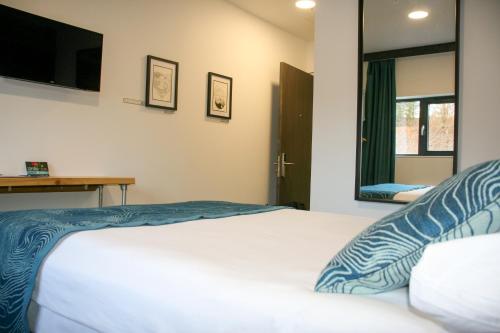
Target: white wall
174 156
310 57
334 123
480 83
427 170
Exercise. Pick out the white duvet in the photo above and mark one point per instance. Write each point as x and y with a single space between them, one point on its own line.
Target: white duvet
412 195
253 273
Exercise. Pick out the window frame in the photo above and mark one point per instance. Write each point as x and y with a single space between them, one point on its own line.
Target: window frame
424 121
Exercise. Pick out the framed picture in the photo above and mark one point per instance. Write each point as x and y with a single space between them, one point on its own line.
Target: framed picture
39 169
161 83
220 96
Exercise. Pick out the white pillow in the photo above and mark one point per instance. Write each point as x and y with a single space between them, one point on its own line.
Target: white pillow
458 283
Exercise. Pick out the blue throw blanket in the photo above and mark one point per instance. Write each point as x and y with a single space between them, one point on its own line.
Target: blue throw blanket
386 191
26 237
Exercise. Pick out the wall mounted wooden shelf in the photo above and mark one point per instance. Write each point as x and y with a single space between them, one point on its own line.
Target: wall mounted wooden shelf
64 184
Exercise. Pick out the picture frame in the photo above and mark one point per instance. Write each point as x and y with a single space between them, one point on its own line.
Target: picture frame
162 78
37 169
220 96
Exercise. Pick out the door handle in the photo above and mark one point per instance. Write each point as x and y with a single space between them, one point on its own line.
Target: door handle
278 166
281 165
284 163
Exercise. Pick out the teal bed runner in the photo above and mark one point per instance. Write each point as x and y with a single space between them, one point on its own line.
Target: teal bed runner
387 191
26 237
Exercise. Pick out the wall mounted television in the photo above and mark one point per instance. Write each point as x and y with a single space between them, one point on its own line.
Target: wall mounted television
34 48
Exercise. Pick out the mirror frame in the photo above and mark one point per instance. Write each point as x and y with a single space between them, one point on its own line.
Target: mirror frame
359 125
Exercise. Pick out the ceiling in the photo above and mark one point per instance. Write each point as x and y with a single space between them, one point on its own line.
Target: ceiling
386 22
387 26
283 14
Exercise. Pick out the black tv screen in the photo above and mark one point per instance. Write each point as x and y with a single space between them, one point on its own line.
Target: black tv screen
38 49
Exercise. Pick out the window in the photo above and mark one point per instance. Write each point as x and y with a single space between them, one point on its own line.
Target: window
425 126
441 125
407 125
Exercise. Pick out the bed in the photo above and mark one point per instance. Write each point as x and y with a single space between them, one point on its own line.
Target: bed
391 191
412 195
250 273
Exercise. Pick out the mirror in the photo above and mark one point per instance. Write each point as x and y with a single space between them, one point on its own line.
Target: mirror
407 98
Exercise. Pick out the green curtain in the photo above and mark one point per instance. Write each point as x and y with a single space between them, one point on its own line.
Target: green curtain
379 126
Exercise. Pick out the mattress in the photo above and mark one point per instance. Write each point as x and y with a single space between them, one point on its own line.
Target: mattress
412 195
253 273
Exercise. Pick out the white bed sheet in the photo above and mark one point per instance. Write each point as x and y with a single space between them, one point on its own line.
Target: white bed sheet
253 273
412 195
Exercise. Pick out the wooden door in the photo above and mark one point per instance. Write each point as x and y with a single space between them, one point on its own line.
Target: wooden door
294 158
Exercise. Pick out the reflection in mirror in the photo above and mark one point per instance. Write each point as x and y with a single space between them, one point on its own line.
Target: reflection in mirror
407 117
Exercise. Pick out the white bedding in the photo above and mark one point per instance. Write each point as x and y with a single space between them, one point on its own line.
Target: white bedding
253 273
412 195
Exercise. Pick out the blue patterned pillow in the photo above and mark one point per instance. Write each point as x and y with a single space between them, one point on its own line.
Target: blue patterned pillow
381 257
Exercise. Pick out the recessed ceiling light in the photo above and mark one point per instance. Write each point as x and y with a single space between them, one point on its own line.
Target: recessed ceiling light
305 4
418 14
